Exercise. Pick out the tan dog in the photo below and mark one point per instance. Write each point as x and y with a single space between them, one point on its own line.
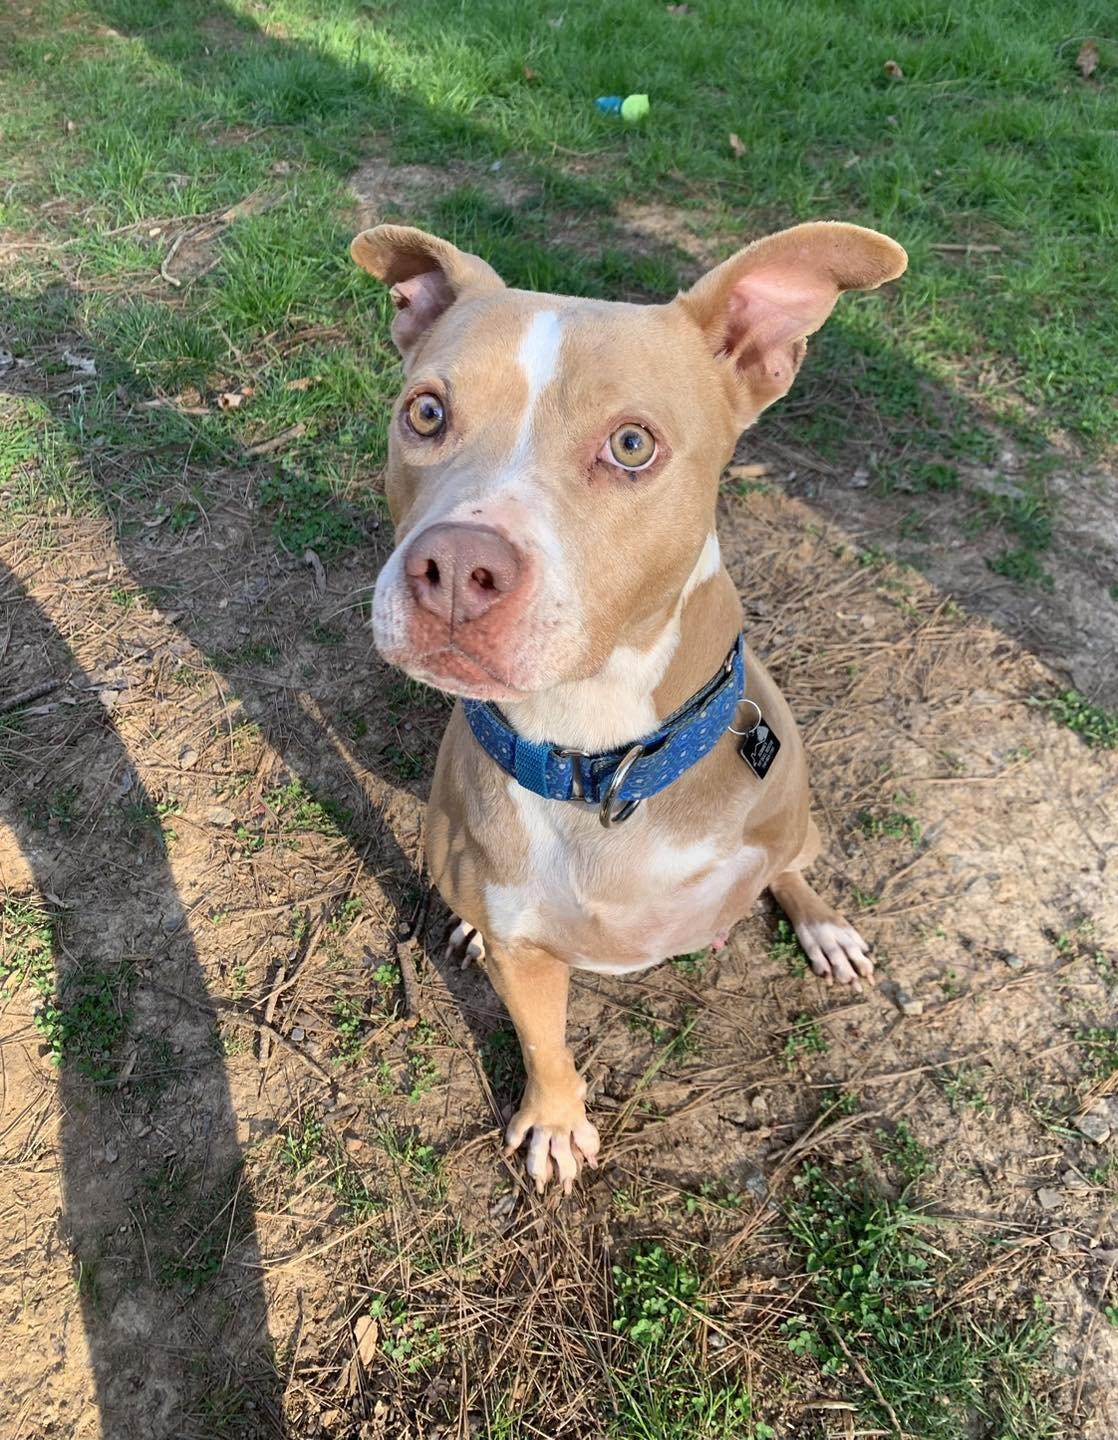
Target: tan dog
553 470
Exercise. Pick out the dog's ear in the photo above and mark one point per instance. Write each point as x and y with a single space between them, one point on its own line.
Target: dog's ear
425 276
758 308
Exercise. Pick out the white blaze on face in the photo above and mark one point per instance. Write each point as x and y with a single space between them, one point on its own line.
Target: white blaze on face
538 357
511 498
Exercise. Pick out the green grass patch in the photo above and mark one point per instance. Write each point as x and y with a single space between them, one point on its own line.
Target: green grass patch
664 1392
1099 1047
991 140
894 824
26 947
299 810
84 1022
881 1319
1095 726
806 1038
503 1063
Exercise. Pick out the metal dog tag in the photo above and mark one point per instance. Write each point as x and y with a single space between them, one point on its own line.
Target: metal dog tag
759 748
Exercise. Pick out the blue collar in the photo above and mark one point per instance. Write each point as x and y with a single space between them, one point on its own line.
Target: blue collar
617 780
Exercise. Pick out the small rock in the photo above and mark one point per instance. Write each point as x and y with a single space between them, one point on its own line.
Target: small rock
1049 1199
908 1004
1072 1180
220 815
82 363
760 1104
298 1033
1014 962
757 1186
1060 1240
170 923
111 1155
188 757
1095 1127
353 1143
860 478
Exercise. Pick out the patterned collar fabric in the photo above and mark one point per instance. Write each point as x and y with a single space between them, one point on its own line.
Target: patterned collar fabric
682 740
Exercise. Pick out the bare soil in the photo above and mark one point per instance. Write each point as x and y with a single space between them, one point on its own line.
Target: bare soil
193 1235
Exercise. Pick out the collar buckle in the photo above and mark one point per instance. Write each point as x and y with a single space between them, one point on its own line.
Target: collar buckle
567 753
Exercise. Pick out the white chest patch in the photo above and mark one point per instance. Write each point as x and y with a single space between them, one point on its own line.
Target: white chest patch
617 900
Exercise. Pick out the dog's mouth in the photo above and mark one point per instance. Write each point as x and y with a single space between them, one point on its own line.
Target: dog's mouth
452 670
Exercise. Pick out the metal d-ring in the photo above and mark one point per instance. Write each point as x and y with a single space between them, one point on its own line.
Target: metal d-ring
745 701
606 814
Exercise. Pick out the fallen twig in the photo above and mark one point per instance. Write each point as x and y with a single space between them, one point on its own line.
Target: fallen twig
277 442
170 255
967 249
33 692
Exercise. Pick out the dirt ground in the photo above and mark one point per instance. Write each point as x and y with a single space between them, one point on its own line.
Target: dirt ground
281 1115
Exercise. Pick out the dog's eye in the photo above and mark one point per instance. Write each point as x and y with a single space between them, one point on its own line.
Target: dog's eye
426 415
631 446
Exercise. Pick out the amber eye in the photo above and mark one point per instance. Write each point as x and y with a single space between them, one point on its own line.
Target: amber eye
632 446
426 415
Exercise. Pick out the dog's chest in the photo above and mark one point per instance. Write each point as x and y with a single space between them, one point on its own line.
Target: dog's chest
623 898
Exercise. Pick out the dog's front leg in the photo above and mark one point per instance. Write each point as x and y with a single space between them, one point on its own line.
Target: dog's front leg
534 987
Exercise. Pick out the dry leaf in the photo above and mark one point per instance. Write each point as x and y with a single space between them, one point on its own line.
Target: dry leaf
529 73
230 400
679 9
304 383
1087 61
752 471
893 70
736 145
366 1334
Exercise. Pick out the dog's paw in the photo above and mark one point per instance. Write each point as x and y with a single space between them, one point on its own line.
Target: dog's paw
558 1144
836 952
465 945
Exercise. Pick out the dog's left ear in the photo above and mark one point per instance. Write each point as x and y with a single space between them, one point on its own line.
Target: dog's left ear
758 308
425 276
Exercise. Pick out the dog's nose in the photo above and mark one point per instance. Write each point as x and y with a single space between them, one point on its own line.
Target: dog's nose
459 572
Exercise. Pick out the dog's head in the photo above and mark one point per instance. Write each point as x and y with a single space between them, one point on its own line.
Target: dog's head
553 462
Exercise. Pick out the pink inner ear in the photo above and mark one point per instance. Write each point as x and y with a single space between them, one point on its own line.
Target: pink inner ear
419 302
769 308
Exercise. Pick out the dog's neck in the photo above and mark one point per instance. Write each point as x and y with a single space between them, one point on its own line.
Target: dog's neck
638 686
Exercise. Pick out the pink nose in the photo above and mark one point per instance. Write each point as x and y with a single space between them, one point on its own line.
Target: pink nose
459 572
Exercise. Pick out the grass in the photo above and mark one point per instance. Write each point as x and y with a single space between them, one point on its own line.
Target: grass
1099 1047
1096 727
881 1320
806 1038
991 139
894 824
663 1391
901 1149
82 1017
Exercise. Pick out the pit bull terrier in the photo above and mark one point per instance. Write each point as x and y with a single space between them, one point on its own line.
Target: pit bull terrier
621 777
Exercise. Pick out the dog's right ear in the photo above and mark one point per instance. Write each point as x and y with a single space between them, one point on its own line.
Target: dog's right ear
425 276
